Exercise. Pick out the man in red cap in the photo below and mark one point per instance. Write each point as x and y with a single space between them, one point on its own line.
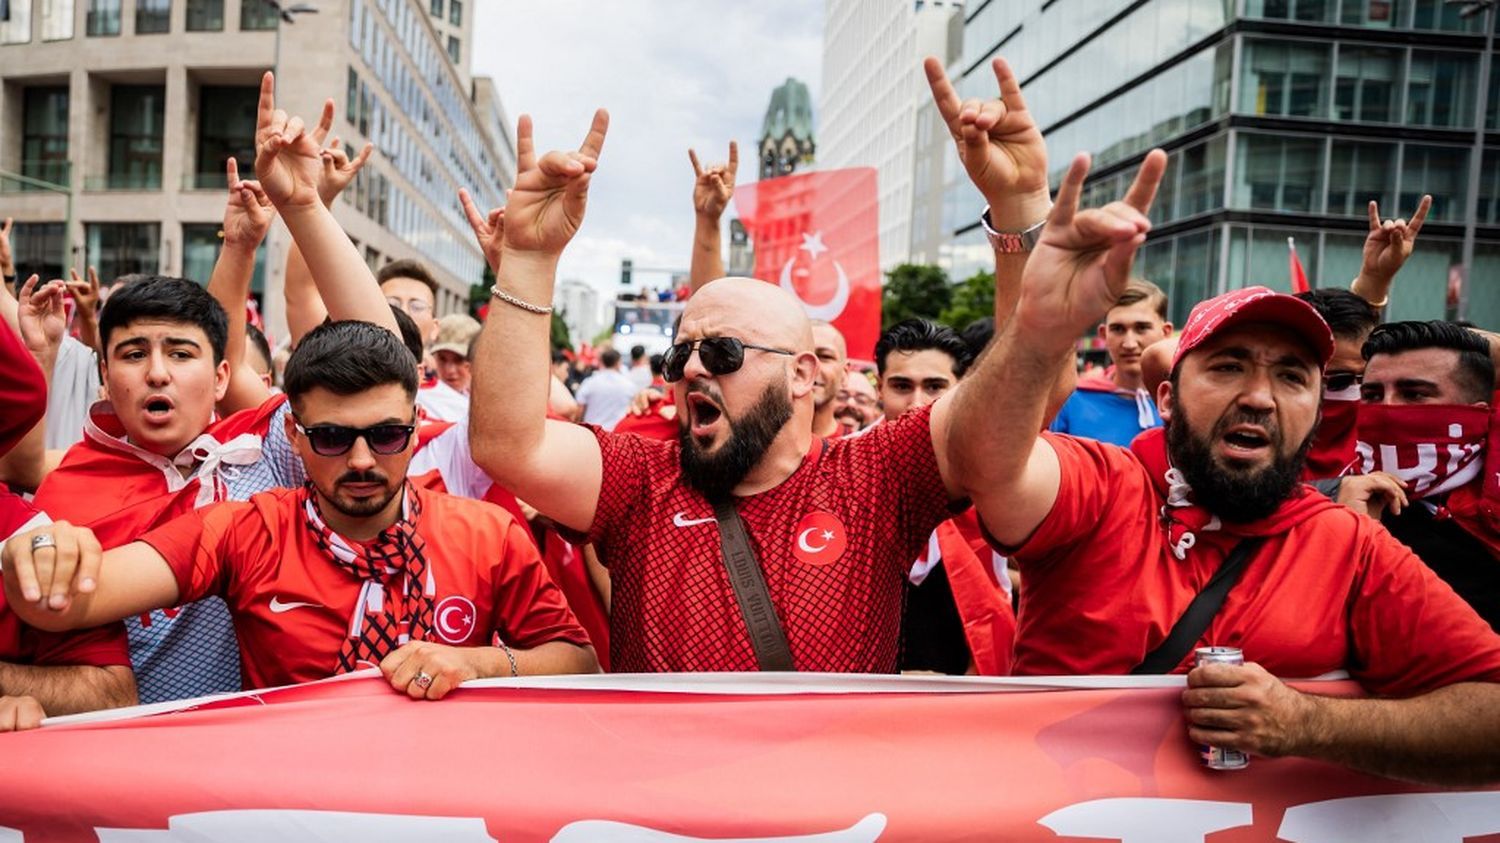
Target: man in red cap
1115 545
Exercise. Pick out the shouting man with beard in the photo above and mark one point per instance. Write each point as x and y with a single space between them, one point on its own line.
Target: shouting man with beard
1115 544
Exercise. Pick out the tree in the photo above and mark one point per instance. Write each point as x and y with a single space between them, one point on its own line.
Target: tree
560 337
973 299
914 290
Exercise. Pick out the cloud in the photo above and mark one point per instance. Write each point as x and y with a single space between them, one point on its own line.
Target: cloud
674 74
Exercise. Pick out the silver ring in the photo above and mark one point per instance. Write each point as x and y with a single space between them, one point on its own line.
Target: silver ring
42 540
422 681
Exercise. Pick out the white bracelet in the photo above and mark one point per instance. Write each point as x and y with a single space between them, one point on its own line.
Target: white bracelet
509 655
524 305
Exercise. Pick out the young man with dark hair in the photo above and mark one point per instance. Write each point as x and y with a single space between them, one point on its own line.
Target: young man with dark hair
174 354
258 355
1425 434
917 361
604 397
1115 407
409 285
1351 319
358 569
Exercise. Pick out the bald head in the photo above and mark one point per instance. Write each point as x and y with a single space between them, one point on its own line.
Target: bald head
748 308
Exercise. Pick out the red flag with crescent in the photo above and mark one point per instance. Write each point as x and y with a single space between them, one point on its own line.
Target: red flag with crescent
817 236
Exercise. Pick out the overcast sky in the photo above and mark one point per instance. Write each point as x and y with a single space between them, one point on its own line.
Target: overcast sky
673 74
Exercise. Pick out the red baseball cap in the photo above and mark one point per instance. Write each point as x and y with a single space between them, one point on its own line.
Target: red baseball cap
1255 304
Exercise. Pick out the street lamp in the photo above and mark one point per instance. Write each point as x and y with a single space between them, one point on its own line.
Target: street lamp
286 14
1472 8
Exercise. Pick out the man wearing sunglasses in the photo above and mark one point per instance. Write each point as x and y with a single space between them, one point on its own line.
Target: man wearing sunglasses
358 569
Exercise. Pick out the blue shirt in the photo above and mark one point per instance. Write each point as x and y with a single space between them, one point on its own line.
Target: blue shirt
1105 416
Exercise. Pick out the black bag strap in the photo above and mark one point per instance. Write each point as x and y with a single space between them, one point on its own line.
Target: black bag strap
766 635
1194 621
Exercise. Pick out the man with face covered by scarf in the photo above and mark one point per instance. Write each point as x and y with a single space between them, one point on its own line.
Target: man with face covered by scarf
1426 419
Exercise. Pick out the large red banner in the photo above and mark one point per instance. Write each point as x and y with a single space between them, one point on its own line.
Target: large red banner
817 235
682 758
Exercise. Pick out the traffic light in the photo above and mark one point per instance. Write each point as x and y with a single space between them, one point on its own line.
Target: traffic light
625 265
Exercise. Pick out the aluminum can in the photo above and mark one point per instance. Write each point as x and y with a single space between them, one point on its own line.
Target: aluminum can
1216 758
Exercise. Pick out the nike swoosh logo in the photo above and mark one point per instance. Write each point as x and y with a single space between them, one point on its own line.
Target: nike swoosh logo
278 607
681 520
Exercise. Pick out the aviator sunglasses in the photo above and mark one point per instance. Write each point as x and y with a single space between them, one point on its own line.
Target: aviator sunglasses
335 440
720 356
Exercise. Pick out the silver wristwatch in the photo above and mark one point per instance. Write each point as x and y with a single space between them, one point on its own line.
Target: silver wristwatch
1011 242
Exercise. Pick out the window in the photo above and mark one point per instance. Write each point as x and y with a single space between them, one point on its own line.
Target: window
103 18
1278 173
200 250
1442 171
135 137
1201 178
1439 15
351 98
1489 189
57 20
15 27
257 14
1366 86
453 51
122 248
437 9
205 15
153 16
226 127
456 12
1376 14
1313 11
44 134
38 249
1441 89
1284 79
1358 173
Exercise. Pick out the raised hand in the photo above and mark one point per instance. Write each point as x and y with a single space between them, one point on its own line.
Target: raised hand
339 169
489 229
546 206
1081 265
288 159
999 145
42 318
85 293
248 213
1390 243
714 187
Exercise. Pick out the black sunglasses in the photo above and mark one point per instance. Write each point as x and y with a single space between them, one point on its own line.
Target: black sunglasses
720 356
335 440
1341 381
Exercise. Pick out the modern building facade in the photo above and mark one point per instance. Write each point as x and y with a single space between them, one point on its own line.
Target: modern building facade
873 94
135 105
1282 118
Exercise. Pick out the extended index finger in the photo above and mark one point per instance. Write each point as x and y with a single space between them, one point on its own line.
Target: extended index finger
476 219
693 157
593 142
943 95
525 146
734 159
1069 192
1374 209
325 123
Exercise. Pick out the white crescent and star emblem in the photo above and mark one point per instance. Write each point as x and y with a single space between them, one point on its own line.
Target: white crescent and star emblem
819 539
455 619
802 542
834 307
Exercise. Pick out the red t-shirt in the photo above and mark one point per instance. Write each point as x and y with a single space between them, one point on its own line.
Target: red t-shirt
23 391
102 646
1101 588
834 541
292 604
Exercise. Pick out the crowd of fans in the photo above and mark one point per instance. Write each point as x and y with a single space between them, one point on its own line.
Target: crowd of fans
441 500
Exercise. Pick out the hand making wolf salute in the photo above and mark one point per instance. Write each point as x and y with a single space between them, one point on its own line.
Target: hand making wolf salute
834 527
1114 544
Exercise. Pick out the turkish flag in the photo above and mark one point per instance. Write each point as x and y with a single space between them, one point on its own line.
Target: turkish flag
1299 276
817 236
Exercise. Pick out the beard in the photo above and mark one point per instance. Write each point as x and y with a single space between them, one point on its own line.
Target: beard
362 507
716 473
1236 495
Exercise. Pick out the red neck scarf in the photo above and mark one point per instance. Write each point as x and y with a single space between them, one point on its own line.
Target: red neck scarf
1182 519
1437 450
383 619
1332 452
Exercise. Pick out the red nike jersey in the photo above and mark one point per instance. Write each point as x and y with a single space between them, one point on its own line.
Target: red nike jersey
292 604
834 540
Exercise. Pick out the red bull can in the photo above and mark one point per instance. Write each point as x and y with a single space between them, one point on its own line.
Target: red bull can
1217 758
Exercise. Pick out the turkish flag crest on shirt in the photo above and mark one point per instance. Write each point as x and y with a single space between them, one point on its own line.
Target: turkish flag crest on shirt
817 236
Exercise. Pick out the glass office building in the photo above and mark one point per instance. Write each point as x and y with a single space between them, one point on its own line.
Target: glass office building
1282 118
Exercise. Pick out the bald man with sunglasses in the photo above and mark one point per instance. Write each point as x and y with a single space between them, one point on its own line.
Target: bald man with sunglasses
359 569
746 492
